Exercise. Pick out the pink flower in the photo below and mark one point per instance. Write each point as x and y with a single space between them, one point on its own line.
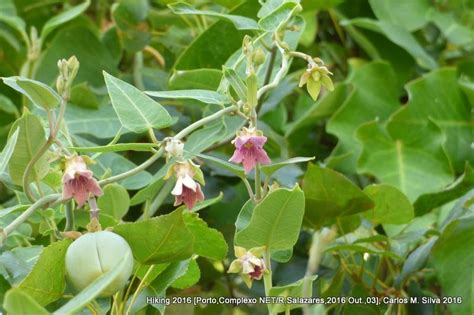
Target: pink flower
186 189
78 181
249 149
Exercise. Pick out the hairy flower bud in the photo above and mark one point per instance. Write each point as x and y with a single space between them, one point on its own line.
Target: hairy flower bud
174 148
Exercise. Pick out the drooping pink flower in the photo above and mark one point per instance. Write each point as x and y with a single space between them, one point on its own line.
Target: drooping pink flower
186 189
79 182
249 149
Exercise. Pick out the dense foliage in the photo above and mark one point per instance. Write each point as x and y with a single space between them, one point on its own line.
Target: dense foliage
179 158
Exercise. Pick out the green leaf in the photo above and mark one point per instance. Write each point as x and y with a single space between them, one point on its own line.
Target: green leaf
7 106
190 278
204 204
63 17
136 111
408 13
411 160
452 257
93 290
129 17
206 79
83 96
37 92
321 109
101 122
20 303
365 248
148 192
368 101
83 43
30 138
272 168
240 22
391 206
7 7
208 242
7 151
158 240
205 96
173 272
461 186
449 109
197 53
45 283
272 21
234 169
236 82
454 31
292 290
416 260
330 195
115 201
145 147
275 222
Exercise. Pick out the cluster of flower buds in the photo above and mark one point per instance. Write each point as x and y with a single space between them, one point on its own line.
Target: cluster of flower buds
78 181
249 264
67 72
316 74
249 148
188 176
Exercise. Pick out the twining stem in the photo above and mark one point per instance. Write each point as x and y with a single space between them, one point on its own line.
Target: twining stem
139 288
267 277
42 202
258 183
69 211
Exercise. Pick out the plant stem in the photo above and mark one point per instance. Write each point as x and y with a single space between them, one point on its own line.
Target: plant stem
278 76
139 288
69 211
267 277
258 183
42 202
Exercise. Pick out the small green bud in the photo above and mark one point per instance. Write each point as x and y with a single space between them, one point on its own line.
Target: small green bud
259 57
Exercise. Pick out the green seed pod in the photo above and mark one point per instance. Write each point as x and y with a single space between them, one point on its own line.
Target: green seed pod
94 254
259 56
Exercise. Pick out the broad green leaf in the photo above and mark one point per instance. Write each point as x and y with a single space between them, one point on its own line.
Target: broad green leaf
374 96
208 242
416 260
391 206
412 161
115 201
93 290
438 96
83 96
240 22
148 192
83 43
63 17
37 92
197 54
190 278
129 17
204 204
30 138
292 290
411 14
275 222
145 147
233 168
7 106
272 168
17 263
461 186
330 195
452 258
272 21
45 283
7 7
321 109
7 151
203 138
101 122
205 96
453 30
401 37
136 111
173 272
158 240
205 79
243 219
236 82
20 303
14 22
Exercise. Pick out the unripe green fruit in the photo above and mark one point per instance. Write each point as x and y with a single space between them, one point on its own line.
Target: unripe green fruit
92 255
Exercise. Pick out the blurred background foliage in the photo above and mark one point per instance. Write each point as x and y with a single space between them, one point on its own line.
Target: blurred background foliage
400 114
